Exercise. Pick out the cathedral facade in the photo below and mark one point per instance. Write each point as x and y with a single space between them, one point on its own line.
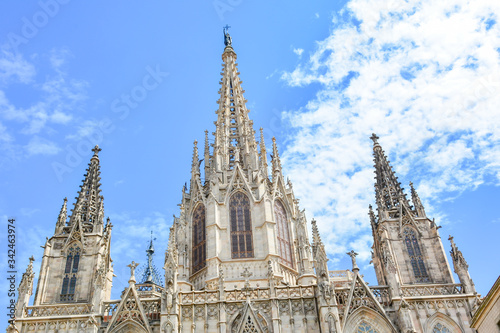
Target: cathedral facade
242 256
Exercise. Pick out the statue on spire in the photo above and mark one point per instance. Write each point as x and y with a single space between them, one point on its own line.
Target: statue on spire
227 38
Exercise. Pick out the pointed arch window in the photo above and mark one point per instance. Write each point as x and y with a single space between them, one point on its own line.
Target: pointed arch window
241 226
283 231
416 258
440 328
70 272
199 238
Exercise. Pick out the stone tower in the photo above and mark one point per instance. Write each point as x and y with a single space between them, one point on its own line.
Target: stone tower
408 254
240 225
76 265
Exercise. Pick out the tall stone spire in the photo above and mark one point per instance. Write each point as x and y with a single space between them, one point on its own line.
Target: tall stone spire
88 210
61 219
419 208
388 190
234 136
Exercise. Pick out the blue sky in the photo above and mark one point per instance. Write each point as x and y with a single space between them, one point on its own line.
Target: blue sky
321 76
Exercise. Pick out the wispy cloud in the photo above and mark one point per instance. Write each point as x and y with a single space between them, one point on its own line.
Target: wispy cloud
425 77
40 146
55 102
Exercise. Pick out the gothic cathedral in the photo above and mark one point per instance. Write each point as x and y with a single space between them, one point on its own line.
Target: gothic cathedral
240 257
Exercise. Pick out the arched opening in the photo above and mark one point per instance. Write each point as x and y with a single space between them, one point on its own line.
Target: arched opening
283 234
199 238
241 226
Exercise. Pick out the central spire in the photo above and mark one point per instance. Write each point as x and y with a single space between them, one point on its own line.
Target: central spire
234 136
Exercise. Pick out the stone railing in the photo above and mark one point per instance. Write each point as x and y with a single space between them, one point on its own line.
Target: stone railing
431 290
57 310
295 291
343 274
109 309
197 297
340 279
382 294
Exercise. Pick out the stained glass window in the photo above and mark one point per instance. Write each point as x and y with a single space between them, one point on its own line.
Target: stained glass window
365 328
284 244
70 270
416 258
439 328
199 238
241 226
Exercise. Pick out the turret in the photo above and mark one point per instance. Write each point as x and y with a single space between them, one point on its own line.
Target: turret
461 268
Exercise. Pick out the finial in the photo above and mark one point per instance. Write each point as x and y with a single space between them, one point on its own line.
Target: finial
31 259
96 151
227 38
374 138
353 255
453 246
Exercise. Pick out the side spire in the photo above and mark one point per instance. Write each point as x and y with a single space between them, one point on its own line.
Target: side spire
276 157
263 154
416 202
319 254
195 165
25 289
388 190
61 219
89 207
207 156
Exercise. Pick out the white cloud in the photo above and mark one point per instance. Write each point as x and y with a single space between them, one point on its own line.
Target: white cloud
298 52
41 146
424 76
15 67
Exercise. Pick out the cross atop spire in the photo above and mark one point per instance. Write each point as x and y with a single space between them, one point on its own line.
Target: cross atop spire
96 151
